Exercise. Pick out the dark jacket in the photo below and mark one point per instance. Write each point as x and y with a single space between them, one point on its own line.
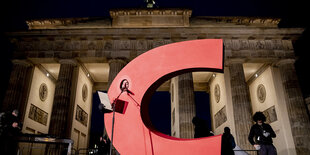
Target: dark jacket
257 132
6 121
228 144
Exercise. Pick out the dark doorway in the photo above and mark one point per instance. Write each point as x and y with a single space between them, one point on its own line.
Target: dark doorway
97 122
202 101
160 111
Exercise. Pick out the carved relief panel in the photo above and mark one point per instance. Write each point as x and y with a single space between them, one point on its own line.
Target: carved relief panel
261 93
43 92
84 92
217 93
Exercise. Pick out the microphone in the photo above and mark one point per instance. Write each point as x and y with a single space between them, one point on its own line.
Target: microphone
124 85
129 92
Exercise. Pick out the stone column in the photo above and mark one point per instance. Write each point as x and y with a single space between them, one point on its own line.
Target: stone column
307 100
116 65
297 111
18 87
62 113
186 105
241 105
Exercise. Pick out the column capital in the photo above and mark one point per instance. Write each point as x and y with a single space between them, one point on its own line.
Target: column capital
24 62
68 61
284 62
229 62
117 60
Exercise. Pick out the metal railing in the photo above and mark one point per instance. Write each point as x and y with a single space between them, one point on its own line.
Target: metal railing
246 152
43 144
36 144
35 150
88 151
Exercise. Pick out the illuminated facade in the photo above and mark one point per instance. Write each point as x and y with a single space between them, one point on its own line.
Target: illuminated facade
59 63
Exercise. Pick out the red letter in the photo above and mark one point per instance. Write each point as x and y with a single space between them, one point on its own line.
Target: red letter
133 134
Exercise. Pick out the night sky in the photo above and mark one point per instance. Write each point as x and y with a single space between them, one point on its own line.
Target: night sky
17 11
294 14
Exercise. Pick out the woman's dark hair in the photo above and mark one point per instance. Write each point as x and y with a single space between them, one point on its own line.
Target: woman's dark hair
259 116
227 130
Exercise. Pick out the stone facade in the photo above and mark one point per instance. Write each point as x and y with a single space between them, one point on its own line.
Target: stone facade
246 40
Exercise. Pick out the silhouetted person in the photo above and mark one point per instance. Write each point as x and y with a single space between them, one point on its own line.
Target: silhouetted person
262 134
9 131
201 128
228 142
103 146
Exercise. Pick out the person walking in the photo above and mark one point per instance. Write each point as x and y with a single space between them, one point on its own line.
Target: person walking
228 142
261 135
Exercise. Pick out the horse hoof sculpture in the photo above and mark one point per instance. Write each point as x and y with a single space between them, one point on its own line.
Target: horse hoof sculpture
133 132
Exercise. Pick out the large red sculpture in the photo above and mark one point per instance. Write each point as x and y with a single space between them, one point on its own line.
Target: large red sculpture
133 131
